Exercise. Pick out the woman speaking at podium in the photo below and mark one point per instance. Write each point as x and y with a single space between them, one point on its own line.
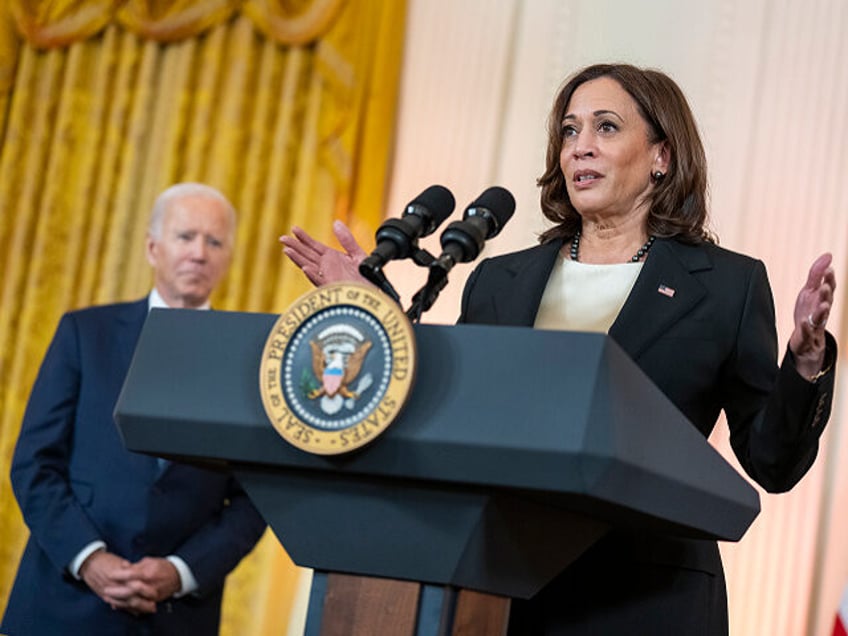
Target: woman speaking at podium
629 253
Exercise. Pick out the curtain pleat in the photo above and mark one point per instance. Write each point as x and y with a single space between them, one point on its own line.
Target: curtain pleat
9 45
291 22
175 19
203 128
56 23
27 303
97 118
52 23
124 190
272 165
111 78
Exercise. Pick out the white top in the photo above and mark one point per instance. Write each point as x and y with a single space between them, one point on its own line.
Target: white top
585 297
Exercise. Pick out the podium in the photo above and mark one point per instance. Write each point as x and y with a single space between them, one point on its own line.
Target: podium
517 450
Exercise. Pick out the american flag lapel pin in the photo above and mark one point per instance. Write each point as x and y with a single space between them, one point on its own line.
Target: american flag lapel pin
665 290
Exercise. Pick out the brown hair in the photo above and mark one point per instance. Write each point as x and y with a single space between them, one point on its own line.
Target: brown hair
678 203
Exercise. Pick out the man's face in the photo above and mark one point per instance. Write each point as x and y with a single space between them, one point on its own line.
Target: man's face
193 250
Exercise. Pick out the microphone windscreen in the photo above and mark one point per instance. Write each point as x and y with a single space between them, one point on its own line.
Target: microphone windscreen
500 202
439 203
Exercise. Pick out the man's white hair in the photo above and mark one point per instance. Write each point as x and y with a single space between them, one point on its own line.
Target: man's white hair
178 191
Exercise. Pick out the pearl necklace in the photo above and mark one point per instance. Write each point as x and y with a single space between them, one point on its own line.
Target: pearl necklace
638 256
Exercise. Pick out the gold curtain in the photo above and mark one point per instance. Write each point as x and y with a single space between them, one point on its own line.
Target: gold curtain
287 106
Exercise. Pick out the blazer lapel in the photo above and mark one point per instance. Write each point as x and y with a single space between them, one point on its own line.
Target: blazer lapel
664 292
128 325
131 320
526 278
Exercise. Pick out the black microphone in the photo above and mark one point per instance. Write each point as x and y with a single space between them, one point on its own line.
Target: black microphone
398 238
483 219
462 241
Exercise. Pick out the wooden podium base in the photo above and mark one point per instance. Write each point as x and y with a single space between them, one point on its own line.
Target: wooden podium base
344 605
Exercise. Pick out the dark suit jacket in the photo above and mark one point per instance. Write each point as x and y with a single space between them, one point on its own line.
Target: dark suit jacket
710 346
76 483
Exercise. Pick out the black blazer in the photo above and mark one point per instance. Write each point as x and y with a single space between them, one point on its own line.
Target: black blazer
709 345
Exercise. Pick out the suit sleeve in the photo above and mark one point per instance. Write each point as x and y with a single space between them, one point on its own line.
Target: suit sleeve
775 416
216 547
39 471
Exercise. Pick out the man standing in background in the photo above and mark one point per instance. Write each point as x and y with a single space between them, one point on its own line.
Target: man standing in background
122 543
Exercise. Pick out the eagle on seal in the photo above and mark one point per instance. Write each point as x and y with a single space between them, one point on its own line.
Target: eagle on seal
336 369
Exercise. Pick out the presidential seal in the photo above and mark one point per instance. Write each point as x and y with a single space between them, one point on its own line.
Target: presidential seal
337 368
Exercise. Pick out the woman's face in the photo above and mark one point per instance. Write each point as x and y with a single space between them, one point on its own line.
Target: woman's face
607 158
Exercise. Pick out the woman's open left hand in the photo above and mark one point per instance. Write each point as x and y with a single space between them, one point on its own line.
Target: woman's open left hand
812 309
